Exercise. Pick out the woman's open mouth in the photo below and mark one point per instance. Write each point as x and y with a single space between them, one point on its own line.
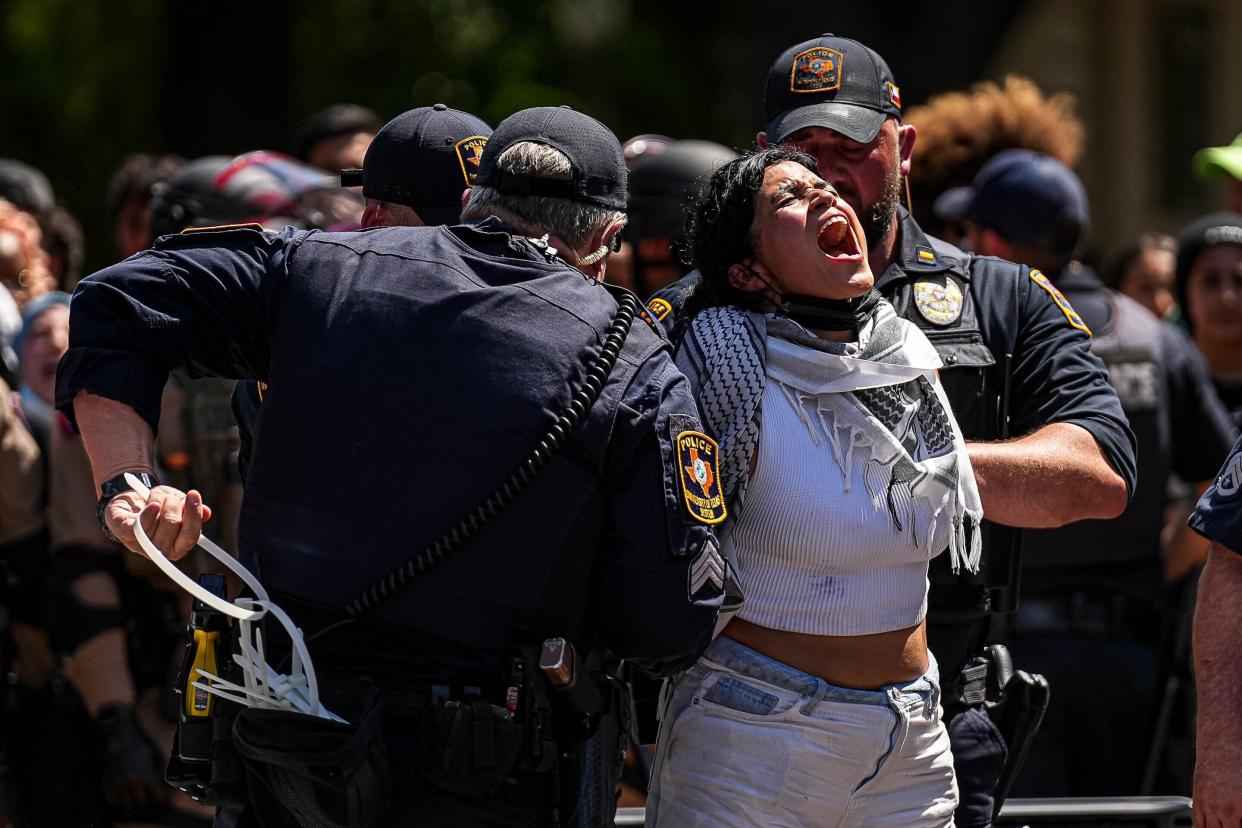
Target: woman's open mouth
837 240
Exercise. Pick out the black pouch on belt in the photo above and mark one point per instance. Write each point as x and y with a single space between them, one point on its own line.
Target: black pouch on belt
308 771
470 747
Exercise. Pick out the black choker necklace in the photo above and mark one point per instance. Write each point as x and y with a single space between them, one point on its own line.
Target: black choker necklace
828 314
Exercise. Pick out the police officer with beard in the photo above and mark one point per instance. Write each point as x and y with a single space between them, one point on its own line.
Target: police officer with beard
1093 592
417 377
997 326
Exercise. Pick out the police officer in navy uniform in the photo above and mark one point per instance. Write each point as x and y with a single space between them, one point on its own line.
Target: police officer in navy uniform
413 175
1093 592
411 370
995 326
1218 669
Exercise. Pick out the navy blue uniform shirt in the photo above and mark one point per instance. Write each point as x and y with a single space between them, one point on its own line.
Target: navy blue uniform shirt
410 370
1218 516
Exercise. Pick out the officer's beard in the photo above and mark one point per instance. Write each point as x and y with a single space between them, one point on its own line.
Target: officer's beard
879 219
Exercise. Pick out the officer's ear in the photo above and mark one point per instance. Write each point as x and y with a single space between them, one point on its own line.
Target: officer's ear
600 245
465 198
375 215
761 140
906 135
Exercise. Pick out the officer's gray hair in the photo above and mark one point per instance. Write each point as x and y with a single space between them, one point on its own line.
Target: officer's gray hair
535 215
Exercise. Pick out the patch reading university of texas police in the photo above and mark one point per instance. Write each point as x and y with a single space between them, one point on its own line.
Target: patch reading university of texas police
816 70
1057 296
698 462
939 304
470 155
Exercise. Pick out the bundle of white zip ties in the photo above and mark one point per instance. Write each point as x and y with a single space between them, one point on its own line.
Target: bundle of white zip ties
262 685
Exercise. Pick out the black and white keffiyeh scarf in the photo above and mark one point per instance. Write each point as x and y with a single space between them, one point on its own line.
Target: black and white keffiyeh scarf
875 402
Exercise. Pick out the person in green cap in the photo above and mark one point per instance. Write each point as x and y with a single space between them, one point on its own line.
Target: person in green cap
1226 163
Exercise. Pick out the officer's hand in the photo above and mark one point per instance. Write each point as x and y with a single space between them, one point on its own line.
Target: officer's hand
1217 794
172 519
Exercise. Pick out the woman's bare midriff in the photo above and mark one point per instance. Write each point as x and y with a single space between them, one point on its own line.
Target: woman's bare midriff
862 662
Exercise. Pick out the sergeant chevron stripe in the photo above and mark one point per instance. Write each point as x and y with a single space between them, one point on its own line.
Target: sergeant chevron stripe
708 568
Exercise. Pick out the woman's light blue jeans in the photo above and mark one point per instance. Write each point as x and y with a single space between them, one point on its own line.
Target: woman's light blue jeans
749 741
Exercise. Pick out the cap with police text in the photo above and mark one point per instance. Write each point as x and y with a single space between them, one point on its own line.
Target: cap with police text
1025 197
423 159
832 82
598 166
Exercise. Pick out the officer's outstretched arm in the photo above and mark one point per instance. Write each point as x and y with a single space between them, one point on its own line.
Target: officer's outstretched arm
1051 477
1218 676
663 579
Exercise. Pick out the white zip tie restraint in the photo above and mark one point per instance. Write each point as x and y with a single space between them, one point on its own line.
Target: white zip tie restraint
262 685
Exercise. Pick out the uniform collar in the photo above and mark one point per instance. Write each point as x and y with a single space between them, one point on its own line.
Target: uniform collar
919 254
493 231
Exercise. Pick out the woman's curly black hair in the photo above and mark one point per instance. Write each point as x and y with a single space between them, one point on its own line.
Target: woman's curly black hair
718 226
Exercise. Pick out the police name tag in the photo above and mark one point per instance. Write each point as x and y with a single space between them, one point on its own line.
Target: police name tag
698 461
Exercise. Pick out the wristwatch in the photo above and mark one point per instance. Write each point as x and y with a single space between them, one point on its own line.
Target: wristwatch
115 486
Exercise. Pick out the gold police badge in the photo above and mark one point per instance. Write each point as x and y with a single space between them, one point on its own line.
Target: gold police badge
939 304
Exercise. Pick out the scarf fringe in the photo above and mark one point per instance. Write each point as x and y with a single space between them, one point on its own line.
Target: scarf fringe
907 510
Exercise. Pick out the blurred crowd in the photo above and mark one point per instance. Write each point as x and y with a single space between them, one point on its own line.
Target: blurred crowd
90 637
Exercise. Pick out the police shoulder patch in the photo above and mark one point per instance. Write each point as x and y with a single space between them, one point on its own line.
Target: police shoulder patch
659 308
938 300
1059 298
469 156
698 462
816 70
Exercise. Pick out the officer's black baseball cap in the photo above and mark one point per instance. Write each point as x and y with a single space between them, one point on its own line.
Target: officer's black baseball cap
1025 197
594 153
423 159
832 82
